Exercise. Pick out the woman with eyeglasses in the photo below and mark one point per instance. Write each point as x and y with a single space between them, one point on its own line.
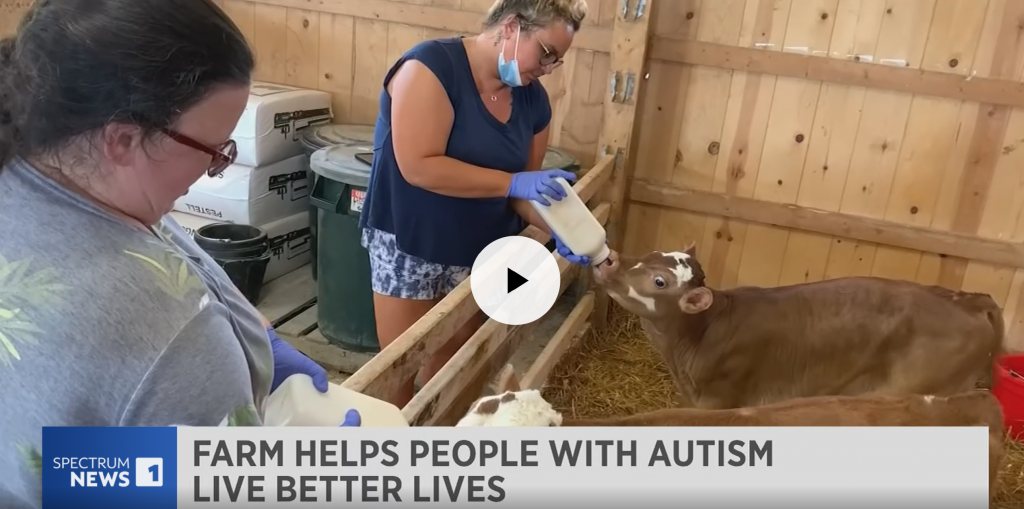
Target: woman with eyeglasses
110 315
458 148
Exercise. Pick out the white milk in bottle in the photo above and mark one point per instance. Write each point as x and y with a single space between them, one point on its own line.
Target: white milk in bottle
296 402
574 224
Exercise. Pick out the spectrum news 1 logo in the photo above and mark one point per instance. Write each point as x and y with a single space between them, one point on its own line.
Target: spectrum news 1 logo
109 467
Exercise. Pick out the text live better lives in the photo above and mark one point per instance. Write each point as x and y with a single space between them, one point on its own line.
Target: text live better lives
357 470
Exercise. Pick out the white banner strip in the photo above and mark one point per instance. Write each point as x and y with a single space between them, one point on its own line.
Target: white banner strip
621 468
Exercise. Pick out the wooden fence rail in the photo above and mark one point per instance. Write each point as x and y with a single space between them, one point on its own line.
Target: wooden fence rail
928 240
451 389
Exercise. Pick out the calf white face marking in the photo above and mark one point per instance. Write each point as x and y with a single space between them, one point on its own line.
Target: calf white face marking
682 270
648 302
519 408
928 399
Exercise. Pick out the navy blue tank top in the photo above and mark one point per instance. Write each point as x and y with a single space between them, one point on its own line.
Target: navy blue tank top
445 229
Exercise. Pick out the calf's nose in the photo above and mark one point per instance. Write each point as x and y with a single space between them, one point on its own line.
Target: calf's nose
607 270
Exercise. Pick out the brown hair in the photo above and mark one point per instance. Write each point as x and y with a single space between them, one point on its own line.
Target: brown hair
75 66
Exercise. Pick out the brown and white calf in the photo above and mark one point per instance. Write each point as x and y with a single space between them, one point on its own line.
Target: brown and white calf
858 335
973 408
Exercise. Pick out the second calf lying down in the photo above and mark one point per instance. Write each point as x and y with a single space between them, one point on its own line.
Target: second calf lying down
975 408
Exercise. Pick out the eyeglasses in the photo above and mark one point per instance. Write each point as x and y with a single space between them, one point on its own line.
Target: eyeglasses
550 58
223 156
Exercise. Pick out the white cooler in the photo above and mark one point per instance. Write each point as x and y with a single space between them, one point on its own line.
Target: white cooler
269 129
251 195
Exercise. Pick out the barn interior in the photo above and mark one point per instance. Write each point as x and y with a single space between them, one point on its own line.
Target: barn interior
789 141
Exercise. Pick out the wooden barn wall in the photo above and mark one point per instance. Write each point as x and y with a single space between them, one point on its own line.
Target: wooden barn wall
11 12
791 141
346 46
886 139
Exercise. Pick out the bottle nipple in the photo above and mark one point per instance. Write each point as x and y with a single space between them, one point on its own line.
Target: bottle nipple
601 256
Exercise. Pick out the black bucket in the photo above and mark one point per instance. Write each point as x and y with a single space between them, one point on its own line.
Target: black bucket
243 251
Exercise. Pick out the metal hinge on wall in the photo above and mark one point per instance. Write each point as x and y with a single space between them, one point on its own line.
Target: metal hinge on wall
640 6
613 86
619 153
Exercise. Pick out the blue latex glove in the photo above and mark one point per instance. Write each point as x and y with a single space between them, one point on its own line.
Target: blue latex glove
537 185
352 419
289 361
568 254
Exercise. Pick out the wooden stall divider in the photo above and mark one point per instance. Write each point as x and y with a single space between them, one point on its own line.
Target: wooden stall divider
398 362
489 348
630 40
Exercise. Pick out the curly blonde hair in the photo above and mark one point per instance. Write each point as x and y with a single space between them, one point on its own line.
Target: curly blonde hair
534 14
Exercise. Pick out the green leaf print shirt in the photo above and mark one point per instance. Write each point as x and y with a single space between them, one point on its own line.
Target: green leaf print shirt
103 324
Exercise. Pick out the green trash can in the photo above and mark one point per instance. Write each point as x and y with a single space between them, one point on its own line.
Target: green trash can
556 158
320 136
344 298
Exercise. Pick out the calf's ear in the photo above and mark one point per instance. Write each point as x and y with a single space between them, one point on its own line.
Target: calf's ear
695 300
691 250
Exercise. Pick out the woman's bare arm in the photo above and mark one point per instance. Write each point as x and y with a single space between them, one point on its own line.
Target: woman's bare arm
421 120
538 149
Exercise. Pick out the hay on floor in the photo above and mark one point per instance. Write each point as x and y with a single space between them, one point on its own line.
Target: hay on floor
1010 485
619 373
616 373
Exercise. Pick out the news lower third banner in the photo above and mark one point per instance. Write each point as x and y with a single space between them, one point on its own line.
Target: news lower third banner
621 468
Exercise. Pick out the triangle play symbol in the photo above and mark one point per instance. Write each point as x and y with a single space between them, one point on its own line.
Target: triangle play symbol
514 281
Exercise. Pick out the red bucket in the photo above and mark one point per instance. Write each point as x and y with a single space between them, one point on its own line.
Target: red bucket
1009 390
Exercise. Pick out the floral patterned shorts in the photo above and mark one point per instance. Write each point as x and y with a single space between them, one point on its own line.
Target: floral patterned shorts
401 275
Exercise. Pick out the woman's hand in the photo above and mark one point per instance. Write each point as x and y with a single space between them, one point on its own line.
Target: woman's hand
568 254
352 419
289 361
535 185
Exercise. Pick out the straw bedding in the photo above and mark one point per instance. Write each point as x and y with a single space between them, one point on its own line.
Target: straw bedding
619 373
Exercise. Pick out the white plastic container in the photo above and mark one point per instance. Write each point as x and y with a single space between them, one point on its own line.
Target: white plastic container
296 402
575 225
274 119
251 195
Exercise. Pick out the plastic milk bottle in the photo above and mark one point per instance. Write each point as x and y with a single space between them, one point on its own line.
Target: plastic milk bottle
296 402
573 222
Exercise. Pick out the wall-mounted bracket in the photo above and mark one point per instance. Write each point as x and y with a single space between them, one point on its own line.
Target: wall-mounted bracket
613 86
640 7
630 78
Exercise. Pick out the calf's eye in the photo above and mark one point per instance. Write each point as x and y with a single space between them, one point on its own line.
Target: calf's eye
659 281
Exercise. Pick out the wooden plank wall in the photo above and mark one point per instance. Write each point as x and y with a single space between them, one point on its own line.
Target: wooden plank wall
346 46
11 12
348 55
887 131
936 161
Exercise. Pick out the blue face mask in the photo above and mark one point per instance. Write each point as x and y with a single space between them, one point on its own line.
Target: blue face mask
509 71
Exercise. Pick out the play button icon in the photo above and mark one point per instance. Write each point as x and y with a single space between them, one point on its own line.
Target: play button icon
515 280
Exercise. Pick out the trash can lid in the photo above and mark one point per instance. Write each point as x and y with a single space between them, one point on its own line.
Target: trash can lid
557 158
339 162
321 136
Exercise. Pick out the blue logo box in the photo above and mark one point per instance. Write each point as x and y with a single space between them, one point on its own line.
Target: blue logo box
110 468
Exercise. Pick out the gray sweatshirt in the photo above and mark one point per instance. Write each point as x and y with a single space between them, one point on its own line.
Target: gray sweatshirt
102 324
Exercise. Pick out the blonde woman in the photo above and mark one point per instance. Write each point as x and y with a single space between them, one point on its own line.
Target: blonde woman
460 139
